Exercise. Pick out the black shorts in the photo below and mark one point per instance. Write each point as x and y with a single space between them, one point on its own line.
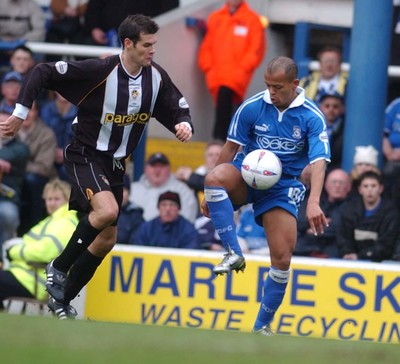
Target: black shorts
90 172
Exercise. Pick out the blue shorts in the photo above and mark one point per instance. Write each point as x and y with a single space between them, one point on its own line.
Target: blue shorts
287 194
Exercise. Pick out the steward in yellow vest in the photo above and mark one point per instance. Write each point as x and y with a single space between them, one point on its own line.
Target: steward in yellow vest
42 243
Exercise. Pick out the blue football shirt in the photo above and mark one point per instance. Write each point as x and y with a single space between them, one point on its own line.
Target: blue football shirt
297 135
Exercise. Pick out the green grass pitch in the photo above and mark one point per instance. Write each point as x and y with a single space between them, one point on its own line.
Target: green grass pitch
33 339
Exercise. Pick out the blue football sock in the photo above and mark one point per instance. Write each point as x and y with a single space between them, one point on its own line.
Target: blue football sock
274 291
221 211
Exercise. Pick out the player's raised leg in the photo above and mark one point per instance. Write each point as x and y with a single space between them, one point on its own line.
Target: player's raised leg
223 179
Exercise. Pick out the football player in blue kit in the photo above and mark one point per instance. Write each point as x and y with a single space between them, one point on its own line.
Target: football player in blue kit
116 97
280 119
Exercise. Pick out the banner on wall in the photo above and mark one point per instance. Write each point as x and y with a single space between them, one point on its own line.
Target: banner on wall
325 298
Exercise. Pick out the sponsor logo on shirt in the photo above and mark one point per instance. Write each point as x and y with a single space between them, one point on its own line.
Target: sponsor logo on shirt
183 103
324 137
262 127
214 197
275 144
123 120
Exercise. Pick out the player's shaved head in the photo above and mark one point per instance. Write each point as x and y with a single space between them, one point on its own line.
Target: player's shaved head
286 64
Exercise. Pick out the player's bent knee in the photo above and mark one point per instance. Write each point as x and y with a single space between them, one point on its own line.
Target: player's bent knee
281 260
222 177
105 217
211 179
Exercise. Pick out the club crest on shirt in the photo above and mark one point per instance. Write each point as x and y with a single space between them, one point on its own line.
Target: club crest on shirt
296 132
135 93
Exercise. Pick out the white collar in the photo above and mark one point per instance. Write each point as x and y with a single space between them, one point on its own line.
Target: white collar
299 100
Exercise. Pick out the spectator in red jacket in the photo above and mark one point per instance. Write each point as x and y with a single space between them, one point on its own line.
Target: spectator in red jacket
233 47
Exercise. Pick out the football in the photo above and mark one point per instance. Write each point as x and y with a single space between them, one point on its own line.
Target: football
261 169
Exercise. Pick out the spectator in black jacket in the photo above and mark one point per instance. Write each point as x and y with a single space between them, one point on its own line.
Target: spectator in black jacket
332 106
14 156
369 224
336 189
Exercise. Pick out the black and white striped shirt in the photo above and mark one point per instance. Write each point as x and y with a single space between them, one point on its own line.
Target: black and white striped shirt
113 107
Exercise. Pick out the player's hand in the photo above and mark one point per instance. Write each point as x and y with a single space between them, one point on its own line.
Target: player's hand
10 126
204 208
183 132
316 218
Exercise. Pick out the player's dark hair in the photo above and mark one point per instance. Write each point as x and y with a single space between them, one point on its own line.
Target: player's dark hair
283 63
134 25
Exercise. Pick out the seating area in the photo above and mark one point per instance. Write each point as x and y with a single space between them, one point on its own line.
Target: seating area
179 154
28 306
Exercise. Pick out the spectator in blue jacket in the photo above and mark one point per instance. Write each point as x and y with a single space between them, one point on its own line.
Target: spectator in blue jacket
251 236
59 114
169 229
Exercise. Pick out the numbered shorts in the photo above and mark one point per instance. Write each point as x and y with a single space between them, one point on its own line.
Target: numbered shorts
91 172
287 194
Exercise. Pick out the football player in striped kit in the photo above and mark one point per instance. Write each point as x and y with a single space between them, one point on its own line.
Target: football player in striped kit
116 97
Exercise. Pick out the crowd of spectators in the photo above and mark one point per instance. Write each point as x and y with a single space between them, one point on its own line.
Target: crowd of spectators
162 207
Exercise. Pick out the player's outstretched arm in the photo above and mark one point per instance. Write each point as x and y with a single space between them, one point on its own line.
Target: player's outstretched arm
315 215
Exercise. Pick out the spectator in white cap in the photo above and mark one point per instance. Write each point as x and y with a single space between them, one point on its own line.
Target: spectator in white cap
366 155
365 159
156 179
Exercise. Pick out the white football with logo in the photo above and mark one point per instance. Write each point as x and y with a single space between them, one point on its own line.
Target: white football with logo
261 169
